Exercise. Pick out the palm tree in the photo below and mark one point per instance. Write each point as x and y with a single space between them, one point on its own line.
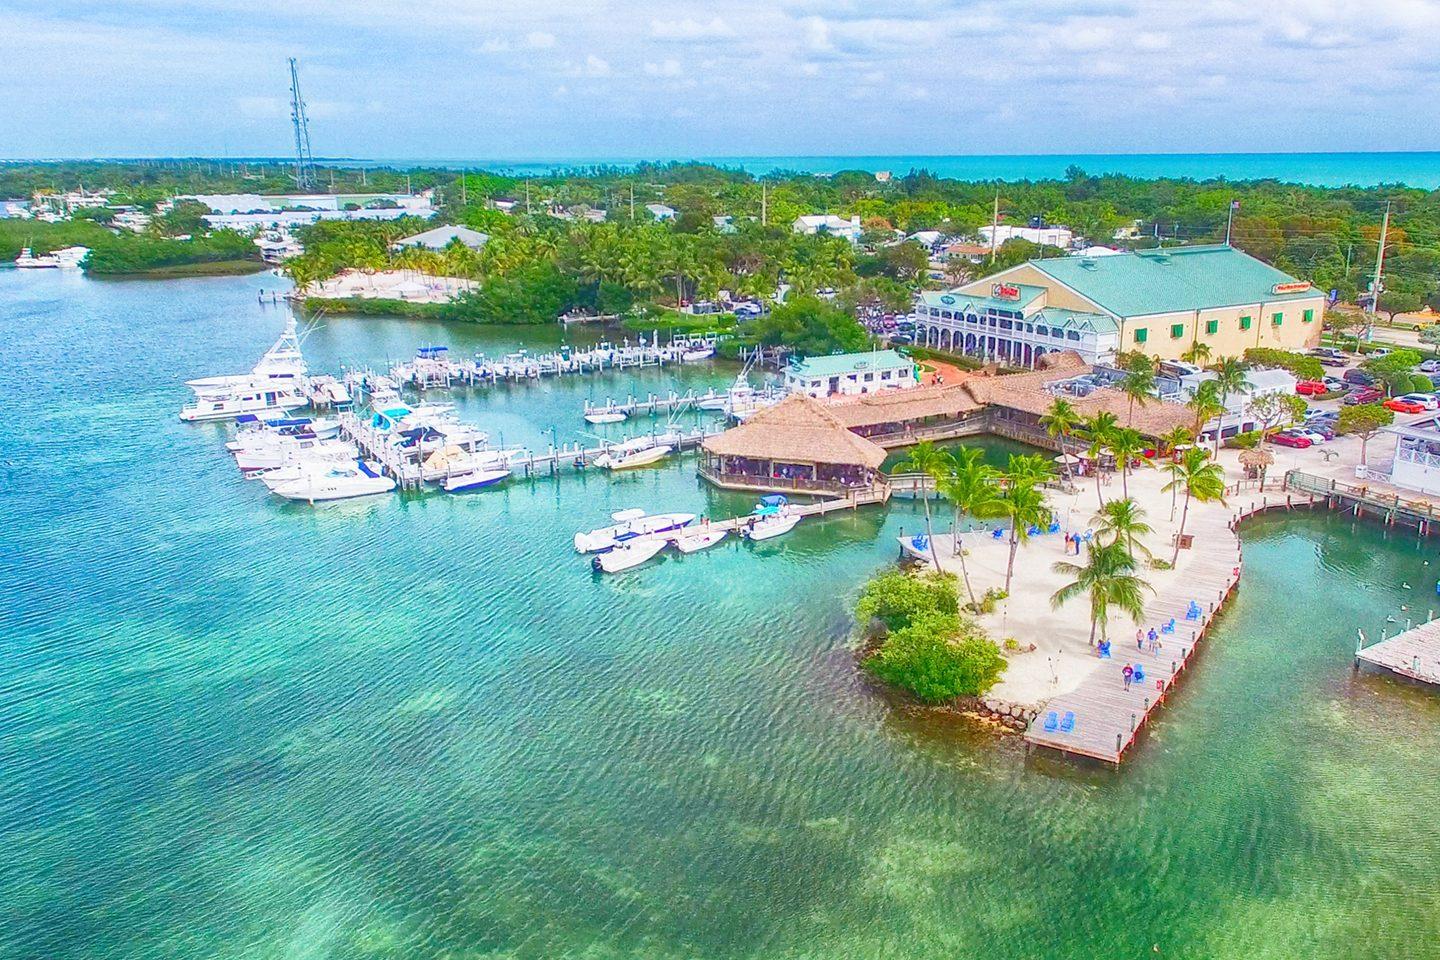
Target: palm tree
1198 353
1123 520
1060 421
1229 378
1128 445
1097 431
1138 383
1201 479
969 484
1022 502
928 461
1108 578
1174 438
1207 406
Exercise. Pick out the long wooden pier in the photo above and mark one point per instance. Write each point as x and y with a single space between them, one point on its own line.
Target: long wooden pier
1413 654
852 500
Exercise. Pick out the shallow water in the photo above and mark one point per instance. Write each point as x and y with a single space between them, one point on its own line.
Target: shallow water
419 727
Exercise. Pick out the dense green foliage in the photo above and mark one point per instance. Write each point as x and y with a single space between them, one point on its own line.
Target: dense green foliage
136 254
929 649
809 327
896 598
1302 365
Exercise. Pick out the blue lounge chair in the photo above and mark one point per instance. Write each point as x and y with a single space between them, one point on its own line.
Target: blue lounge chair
1054 527
1068 724
1102 650
1168 627
1138 675
1051 722
1193 611
997 533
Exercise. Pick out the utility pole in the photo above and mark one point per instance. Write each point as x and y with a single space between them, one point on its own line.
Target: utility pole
632 203
527 196
1230 220
408 191
463 199
995 226
1379 266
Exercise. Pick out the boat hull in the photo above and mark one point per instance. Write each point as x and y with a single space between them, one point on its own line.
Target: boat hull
696 542
477 480
768 529
627 558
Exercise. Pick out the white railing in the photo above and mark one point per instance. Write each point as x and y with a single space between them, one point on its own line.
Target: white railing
1412 455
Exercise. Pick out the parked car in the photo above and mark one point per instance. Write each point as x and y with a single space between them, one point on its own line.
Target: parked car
1435 380
1311 388
1363 377
1314 436
1330 357
1363 395
1430 366
1325 429
1287 439
1401 405
1335 384
1427 400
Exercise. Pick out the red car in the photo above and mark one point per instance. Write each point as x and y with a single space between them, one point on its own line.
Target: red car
1401 405
1363 395
1311 388
1290 440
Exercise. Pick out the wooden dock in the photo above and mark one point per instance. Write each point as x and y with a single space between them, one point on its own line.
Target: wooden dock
1413 654
818 508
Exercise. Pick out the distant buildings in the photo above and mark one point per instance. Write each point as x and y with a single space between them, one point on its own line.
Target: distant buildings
1158 302
660 211
253 211
14 209
850 374
1060 237
828 223
441 237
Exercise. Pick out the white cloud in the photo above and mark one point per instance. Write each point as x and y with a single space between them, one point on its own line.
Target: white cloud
495 46
1152 40
688 29
666 68
596 67
539 40
817 34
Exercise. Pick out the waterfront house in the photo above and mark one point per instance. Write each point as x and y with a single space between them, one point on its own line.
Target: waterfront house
851 373
439 238
1060 237
1157 302
828 223
796 445
661 212
1417 456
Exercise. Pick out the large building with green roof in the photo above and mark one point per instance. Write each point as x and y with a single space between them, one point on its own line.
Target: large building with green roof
1210 301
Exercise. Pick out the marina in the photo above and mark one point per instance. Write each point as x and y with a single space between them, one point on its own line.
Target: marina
349 682
1413 653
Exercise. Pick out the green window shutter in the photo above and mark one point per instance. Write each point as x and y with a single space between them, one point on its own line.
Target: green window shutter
1244 323
1212 326
1276 319
1177 330
1309 316
1141 334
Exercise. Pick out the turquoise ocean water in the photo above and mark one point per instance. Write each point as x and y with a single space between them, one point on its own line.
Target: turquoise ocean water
1416 169
419 727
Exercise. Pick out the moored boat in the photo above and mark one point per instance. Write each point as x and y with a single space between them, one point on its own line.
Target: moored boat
337 482
620 460
475 480
701 540
770 527
628 525
601 418
628 556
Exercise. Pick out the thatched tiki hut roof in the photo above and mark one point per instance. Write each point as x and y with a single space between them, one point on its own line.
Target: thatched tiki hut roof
798 429
1256 462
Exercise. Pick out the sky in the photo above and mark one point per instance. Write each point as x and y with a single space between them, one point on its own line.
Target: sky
558 79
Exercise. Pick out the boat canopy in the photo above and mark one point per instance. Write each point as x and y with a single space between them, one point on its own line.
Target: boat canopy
774 500
431 351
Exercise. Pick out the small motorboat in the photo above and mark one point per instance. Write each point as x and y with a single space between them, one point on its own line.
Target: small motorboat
600 418
695 356
626 557
628 525
772 526
475 480
695 542
627 456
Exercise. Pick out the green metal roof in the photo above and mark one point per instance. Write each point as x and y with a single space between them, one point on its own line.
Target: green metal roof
955 300
1079 320
843 364
1172 280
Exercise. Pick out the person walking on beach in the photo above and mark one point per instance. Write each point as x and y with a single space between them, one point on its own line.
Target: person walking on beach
1139 639
1128 672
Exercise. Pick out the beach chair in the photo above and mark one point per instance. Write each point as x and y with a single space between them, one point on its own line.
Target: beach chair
1192 612
1032 531
1102 649
1168 627
1088 535
998 533
1054 527
1138 675
1051 721
1068 724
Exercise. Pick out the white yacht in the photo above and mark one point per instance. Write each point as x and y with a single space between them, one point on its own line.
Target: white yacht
628 525
475 480
602 418
66 258
256 398
291 450
637 452
282 366
772 526
322 482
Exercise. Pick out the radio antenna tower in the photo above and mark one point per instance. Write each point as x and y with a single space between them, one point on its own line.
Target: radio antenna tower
304 162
